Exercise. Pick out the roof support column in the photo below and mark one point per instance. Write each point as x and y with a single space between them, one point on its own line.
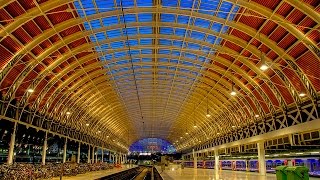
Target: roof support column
92 156
96 155
195 159
79 153
12 143
102 154
216 160
44 148
65 151
261 158
89 161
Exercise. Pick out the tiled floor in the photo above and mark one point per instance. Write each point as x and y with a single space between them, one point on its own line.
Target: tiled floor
176 173
96 174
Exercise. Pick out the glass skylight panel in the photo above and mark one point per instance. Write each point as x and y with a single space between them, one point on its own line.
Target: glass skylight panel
211 39
95 24
145 41
180 32
87 6
233 14
86 25
108 56
132 31
135 60
205 49
145 17
178 43
100 36
165 42
114 33
144 3
193 46
146 51
183 19
187 4
190 55
104 46
167 18
109 21
216 27
175 61
166 30
134 52
197 35
145 30
117 44
130 18
104 6
208 6
164 51
133 42
119 54
187 63
202 23
125 3
176 53
146 60
172 3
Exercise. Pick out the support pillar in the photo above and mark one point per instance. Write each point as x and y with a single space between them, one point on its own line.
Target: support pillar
116 158
92 156
247 166
79 153
195 160
261 158
291 139
44 148
120 158
65 151
89 161
97 155
109 156
102 154
216 160
12 143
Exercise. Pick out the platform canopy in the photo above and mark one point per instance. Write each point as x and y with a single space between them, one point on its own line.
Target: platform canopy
182 70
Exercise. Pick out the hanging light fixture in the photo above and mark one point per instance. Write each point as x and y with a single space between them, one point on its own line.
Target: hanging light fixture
302 94
263 65
30 90
233 92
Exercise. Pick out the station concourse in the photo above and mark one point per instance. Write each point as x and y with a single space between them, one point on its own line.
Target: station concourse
160 89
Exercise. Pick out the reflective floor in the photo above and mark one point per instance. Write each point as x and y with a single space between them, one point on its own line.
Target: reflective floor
176 173
95 174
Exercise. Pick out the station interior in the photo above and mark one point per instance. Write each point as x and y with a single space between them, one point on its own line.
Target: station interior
160 89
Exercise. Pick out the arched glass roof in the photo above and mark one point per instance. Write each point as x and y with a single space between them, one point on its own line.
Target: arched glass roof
125 70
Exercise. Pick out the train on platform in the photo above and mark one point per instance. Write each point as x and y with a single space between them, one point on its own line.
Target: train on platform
252 165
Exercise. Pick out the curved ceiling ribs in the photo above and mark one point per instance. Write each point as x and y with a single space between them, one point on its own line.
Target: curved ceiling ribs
52 48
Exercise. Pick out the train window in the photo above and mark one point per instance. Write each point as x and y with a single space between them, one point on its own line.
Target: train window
280 141
306 136
274 142
315 135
